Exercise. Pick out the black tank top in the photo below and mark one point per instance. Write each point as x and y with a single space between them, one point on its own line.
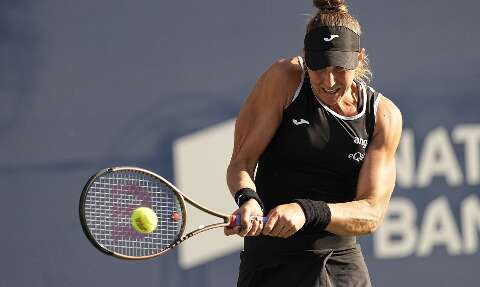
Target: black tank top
315 153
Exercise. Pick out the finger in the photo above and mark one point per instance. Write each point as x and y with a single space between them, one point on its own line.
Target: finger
287 232
254 229
231 231
267 228
260 227
245 227
227 231
242 231
287 227
277 229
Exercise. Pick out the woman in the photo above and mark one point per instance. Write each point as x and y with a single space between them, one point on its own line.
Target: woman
325 147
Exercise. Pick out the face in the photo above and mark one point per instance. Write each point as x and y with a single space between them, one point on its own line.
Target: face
331 83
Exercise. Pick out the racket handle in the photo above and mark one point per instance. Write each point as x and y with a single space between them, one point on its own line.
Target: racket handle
235 220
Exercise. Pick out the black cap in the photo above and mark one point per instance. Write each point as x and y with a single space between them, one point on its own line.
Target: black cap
331 46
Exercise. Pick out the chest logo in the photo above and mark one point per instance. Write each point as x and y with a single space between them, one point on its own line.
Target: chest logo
358 156
300 122
361 142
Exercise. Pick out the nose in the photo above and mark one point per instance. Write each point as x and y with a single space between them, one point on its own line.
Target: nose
328 78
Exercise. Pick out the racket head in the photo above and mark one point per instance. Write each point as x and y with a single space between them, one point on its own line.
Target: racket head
107 201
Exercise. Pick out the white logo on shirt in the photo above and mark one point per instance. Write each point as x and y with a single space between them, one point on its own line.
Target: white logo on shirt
361 142
358 156
301 121
333 36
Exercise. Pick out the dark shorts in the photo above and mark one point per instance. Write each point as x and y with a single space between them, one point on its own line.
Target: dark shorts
343 267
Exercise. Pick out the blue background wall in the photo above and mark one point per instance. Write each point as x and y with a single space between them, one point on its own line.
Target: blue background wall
89 84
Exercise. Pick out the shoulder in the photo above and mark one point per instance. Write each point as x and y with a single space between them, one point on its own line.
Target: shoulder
282 78
388 123
286 68
387 110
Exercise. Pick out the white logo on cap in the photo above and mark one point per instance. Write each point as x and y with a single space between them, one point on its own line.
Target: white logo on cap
331 38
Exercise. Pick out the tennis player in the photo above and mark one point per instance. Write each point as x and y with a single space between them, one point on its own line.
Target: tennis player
325 144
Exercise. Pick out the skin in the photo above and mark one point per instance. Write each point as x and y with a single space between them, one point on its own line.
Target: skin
260 117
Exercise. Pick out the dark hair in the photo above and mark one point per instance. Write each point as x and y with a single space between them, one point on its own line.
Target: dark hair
335 13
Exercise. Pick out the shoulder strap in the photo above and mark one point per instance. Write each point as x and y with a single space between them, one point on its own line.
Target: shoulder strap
373 98
299 88
300 60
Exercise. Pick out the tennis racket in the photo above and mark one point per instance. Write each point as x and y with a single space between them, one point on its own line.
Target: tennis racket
109 198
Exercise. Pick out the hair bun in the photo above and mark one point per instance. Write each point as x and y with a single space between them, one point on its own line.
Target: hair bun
331 5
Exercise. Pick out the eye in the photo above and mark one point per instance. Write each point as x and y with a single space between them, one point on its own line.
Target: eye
340 69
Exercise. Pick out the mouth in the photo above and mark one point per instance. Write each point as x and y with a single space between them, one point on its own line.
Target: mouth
331 91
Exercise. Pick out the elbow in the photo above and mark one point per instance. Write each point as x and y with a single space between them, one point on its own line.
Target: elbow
372 226
368 226
375 219
375 222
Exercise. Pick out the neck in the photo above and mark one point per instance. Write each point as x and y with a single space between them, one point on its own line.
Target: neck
345 105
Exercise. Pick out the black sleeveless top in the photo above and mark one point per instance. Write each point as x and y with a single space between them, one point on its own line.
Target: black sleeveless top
315 153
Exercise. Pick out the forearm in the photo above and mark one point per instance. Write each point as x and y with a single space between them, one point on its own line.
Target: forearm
354 218
239 175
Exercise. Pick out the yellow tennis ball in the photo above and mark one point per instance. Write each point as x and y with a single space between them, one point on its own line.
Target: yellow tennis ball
144 220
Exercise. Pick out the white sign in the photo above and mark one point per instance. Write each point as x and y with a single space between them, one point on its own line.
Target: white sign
200 166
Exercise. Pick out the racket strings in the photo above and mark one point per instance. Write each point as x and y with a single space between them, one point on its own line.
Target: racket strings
111 200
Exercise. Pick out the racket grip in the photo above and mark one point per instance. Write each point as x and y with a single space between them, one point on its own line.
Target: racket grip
235 220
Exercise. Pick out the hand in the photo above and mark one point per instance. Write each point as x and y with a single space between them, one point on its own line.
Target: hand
248 227
284 220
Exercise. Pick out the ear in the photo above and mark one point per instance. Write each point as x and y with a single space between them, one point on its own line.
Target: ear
362 55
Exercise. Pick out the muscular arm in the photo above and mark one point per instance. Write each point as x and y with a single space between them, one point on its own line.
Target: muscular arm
376 179
257 122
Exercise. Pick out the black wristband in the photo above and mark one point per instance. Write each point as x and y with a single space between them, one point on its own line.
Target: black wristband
245 194
317 214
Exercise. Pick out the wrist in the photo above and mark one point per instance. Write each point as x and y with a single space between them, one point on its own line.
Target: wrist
245 194
252 201
317 213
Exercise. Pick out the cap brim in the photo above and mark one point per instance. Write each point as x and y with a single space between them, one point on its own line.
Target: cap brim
317 60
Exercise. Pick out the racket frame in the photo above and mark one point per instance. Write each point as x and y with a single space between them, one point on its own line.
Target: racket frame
228 220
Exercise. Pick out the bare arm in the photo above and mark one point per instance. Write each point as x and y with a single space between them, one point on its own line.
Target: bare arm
376 179
256 124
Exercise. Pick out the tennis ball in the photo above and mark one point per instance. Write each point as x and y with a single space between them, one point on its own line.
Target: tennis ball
144 220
